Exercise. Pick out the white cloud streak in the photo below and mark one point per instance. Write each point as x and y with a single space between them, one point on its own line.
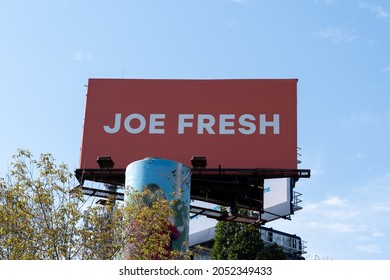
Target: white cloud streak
355 219
381 207
334 201
334 214
378 11
386 69
82 56
370 248
338 34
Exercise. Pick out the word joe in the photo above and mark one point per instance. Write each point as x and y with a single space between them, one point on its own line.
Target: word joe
222 124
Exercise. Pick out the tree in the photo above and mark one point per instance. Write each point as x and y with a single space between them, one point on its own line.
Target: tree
43 216
147 219
272 252
39 215
240 241
102 232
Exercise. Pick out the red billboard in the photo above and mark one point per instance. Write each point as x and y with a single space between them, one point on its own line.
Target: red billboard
234 123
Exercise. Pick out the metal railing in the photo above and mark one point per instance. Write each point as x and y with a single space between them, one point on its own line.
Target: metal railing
296 201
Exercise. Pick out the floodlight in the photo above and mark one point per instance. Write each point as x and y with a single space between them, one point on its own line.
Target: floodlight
105 162
199 162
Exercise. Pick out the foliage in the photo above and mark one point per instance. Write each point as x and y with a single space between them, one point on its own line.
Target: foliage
40 214
43 217
240 241
147 219
272 252
102 233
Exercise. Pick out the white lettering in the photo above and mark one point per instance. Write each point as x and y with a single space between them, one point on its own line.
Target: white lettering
206 122
140 128
155 121
182 124
264 124
117 125
226 120
246 124
250 127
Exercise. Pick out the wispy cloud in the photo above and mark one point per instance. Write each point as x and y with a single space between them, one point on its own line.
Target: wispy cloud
338 34
333 213
354 218
334 201
378 11
333 226
370 248
342 214
386 69
378 234
82 56
381 207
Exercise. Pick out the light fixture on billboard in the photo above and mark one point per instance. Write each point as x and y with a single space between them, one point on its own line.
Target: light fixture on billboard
199 162
105 162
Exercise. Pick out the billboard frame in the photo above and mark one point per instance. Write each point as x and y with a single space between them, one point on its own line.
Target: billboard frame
236 188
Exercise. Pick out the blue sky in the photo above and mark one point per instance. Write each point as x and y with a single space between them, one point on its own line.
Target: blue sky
339 51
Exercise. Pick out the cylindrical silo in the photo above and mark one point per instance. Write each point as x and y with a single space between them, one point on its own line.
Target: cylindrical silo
173 180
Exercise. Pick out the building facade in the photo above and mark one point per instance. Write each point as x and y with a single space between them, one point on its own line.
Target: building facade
292 245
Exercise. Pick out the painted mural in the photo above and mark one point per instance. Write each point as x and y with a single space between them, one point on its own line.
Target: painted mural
167 179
